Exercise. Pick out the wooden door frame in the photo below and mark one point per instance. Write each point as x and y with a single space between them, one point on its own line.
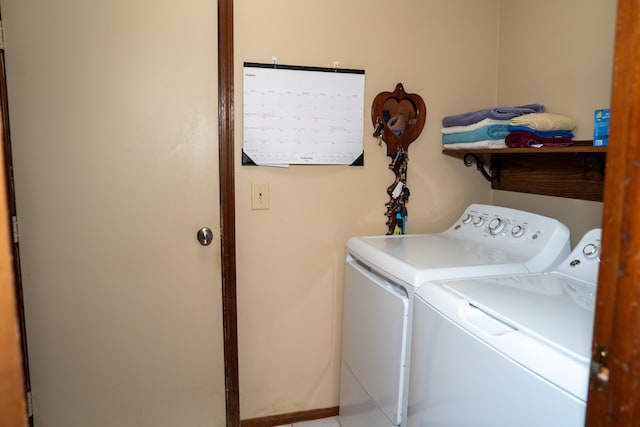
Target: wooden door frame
11 213
227 209
14 377
13 411
617 321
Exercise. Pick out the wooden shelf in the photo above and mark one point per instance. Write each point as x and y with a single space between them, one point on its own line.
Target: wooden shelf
573 149
575 172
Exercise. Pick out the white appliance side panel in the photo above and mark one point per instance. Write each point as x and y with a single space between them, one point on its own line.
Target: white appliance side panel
357 409
374 336
458 380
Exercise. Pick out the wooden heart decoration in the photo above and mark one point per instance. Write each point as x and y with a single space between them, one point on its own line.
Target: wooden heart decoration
402 117
398 119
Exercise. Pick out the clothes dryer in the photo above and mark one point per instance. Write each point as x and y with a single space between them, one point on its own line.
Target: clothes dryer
504 351
382 274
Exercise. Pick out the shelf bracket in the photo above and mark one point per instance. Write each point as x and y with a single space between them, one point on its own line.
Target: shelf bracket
491 176
598 160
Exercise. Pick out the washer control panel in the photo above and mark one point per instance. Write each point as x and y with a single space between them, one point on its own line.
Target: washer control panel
591 250
584 261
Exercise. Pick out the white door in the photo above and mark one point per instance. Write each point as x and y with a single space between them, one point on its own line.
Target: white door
113 115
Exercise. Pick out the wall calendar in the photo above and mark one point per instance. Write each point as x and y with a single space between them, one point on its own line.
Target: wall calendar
302 115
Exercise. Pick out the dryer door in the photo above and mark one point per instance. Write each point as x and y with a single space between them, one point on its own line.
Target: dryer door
374 336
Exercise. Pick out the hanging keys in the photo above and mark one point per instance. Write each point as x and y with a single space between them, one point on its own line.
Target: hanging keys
405 193
398 190
403 215
378 133
396 159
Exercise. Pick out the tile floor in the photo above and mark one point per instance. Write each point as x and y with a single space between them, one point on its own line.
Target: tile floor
325 422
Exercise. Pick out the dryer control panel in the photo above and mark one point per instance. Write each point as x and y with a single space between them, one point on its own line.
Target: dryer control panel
495 225
519 232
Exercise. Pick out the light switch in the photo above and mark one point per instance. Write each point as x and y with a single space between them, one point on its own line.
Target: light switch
259 195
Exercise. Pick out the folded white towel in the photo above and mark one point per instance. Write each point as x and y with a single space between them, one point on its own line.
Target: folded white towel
474 126
491 143
544 122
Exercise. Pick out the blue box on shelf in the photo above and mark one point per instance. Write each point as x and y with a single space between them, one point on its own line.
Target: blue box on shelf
601 128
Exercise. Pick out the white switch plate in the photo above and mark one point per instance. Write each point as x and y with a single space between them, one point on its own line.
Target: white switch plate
259 195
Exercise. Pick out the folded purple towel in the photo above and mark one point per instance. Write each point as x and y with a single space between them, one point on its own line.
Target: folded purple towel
522 139
543 133
497 113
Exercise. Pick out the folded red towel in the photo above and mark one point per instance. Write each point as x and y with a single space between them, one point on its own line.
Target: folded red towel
522 139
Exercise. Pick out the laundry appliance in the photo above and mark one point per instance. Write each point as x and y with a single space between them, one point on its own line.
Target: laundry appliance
504 351
382 274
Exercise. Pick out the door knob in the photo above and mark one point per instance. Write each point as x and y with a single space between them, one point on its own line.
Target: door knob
205 236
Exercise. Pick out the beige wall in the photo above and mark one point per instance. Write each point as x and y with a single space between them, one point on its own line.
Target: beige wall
558 53
550 53
290 257
459 56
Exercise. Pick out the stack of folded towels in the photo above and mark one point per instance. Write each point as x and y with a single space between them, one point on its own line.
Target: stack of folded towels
487 128
540 130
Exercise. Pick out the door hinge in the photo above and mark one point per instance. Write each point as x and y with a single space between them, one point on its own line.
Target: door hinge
14 223
600 369
29 404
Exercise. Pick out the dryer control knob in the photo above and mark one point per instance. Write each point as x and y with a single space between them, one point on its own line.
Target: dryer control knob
496 226
517 231
466 218
590 251
478 221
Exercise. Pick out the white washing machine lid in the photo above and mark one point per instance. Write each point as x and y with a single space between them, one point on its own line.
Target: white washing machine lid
553 308
415 259
543 321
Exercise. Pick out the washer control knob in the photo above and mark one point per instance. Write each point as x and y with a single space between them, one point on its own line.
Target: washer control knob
466 218
478 221
496 226
517 231
590 251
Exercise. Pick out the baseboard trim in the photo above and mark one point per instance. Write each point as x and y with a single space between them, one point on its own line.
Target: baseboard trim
290 418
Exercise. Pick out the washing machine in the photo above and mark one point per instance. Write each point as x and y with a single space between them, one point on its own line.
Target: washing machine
504 351
382 274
